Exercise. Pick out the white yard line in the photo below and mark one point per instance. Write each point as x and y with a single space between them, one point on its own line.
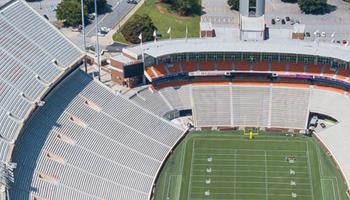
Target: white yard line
234 169
266 179
309 165
190 183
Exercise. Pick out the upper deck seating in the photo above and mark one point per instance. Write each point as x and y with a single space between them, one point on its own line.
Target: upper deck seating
88 143
261 66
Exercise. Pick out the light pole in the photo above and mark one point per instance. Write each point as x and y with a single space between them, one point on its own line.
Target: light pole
83 29
97 44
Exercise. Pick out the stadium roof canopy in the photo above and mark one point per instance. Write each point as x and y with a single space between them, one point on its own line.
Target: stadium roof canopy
288 46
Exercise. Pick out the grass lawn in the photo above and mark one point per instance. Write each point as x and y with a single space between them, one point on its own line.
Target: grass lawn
212 165
163 19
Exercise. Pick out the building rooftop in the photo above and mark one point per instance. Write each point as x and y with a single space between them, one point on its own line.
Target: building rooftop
280 45
253 23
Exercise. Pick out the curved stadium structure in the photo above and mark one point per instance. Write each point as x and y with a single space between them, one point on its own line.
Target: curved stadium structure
74 138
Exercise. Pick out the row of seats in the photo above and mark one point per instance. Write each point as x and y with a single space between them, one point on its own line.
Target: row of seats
146 98
161 101
33 56
274 66
41 33
224 105
91 144
258 106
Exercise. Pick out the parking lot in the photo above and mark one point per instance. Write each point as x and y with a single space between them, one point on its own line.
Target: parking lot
219 13
336 23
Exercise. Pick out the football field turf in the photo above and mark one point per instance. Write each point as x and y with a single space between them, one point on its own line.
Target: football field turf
217 166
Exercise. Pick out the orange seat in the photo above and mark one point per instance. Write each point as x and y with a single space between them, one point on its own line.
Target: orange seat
150 72
157 73
296 67
242 65
261 66
160 69
314 69
171 83
327 70
343 73
189 66
278 66
174 68
207 66
224 65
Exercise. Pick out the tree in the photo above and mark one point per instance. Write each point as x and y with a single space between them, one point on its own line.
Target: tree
70 10
234 4
135 26
185 7
91 7
312 6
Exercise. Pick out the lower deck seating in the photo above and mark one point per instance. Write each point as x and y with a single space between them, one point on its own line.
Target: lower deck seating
289 107
211 106
244 105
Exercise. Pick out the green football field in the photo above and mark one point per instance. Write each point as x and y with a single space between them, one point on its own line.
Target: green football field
218 166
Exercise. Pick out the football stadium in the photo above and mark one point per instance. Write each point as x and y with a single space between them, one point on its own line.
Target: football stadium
208 119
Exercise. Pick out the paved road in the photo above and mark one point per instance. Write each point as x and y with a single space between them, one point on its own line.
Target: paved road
119 9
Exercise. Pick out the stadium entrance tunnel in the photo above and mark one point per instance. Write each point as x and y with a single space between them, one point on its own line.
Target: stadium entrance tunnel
318 122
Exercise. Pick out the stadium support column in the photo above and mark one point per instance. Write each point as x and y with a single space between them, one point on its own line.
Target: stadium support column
97 43
84 36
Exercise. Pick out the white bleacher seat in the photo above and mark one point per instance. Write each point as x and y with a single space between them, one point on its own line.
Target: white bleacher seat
120 147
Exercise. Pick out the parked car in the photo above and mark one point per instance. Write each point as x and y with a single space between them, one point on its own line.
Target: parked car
132 1
307 34
323 34
287 19
273 21
344 41
323 125
105 29
77 28
278 19
101 34
91 16
317 33
283 21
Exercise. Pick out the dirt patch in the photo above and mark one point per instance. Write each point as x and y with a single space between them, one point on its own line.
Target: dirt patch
160 8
